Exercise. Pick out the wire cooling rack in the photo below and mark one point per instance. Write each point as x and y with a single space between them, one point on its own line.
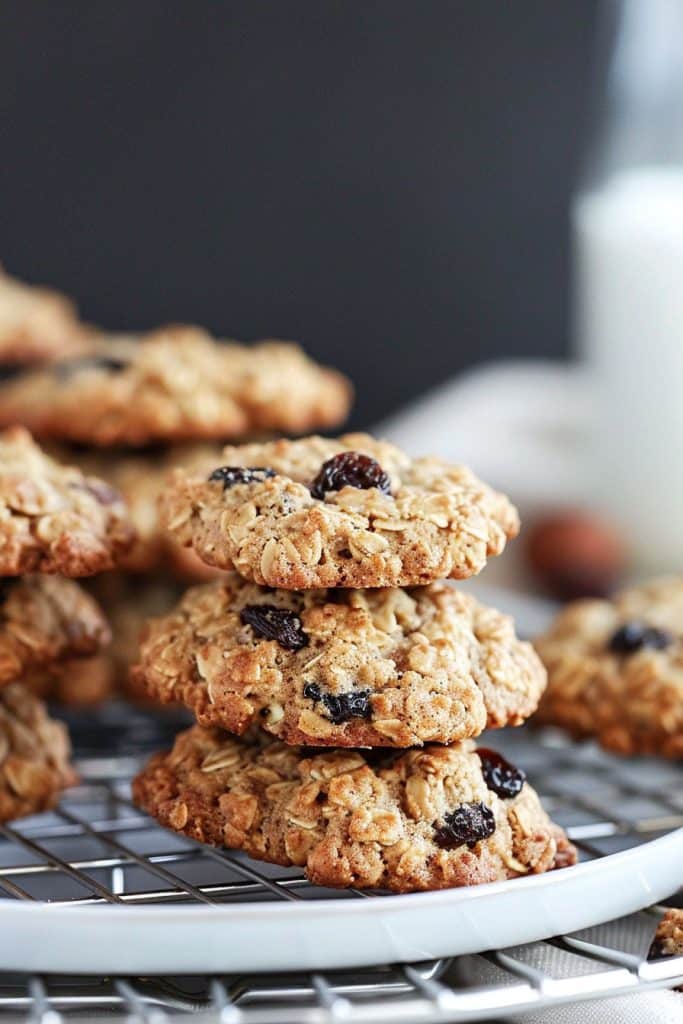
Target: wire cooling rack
97 848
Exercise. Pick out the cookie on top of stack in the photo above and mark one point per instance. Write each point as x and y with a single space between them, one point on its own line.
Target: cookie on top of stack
55 523
129 407
337 684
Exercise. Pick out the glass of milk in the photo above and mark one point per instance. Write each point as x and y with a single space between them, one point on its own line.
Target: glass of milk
627 223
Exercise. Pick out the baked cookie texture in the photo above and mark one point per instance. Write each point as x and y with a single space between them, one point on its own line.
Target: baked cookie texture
34 755
46 619
53 518
668 940
387 667
75 683
141 478
424 819
127 602
36 324
615 670
176 383
403 522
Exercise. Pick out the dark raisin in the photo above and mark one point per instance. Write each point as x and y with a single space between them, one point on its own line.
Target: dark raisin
5 587
633 636
231 475
350 469
67 367
381 758
8 371
468 823
275 624
341 706
500 776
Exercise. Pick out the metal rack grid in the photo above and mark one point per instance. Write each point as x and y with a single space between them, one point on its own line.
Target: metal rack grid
98 848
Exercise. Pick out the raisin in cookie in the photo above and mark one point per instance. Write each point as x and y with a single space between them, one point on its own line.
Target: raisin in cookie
176 383
352 512
36 324
46 619
345 668
53 518
34 755
615 670
424 819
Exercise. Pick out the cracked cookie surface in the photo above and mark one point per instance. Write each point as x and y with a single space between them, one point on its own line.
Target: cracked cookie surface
173 384
428 520
36 324
34 755
46 619
615 670
53 518
424 819
385 667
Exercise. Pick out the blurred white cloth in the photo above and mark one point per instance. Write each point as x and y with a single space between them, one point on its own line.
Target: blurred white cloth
523 427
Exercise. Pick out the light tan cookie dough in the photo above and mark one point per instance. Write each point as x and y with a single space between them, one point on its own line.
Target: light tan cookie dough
36 324
615 670
424 819
34 755
403 522
46 619
173 384
341 668
53 518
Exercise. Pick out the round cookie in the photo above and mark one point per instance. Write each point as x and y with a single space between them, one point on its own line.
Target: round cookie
36 324
46 619
34 755
176 383
615 670
387 667
351 512
53 518
419 820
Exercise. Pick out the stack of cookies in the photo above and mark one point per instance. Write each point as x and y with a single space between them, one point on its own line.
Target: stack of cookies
127 409
337 682
55 523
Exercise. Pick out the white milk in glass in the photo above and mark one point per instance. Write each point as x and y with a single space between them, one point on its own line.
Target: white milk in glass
628 275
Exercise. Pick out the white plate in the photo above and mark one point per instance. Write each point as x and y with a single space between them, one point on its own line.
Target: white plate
332 933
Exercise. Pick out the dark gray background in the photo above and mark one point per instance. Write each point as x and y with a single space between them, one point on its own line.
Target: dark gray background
385 181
